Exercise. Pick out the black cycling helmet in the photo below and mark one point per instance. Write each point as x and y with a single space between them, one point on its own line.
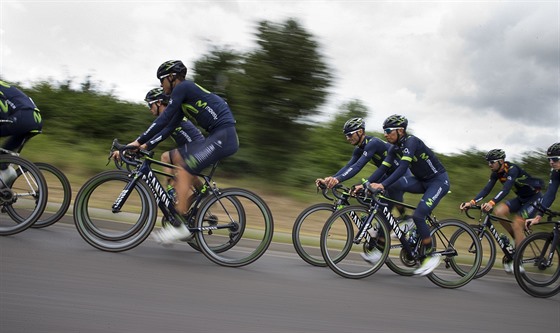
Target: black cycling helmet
395 121
171 67
156 94
553 150
495 154
353 124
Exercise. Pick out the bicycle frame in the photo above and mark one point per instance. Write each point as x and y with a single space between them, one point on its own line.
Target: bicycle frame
145 173
488 225
374 205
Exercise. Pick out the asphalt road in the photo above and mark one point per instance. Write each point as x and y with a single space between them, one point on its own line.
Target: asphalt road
52 281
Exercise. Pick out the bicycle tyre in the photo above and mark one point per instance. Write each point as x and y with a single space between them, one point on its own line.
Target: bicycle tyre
340 252
112 231
461 253
305 246
488 251
247 232
25 199
58 186
535 279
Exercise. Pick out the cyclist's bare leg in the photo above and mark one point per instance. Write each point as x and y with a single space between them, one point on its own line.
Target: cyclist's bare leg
502 210
183 185
165 157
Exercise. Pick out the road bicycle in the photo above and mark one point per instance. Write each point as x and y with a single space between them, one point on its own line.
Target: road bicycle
59 188
23 196
489 237
307 227
536 263
116 210
363 228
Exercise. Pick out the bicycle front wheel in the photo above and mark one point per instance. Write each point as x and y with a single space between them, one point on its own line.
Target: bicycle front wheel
60 195
342 253
234 227
460 251
306 233
536 265
23 198
109 230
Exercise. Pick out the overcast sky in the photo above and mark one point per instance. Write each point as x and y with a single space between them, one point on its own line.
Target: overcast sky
467 74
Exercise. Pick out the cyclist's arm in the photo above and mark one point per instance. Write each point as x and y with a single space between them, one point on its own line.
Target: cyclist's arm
161 136
512 175
165 122
341 174
487 188
550 194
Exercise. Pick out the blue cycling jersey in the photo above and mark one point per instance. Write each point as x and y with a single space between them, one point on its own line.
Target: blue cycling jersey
411 152
13 100
184 134
373 150
188 99
513 178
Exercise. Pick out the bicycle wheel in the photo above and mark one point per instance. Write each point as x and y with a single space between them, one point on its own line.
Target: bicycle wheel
109 230
339 250
60 195
534 273
230 236
461 253
22 199
306 233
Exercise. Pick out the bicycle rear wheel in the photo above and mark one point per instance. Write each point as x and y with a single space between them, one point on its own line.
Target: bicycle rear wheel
534 273
23 198
339 250
232 236
60 195
306 233
461 254
109 230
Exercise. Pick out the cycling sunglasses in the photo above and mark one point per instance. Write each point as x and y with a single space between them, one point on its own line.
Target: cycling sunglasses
388 130
554 159
490 162
349 134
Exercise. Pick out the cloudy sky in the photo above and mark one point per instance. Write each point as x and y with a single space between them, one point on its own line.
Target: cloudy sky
467 74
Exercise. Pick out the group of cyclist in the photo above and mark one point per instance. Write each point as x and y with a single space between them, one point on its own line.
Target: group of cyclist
405 164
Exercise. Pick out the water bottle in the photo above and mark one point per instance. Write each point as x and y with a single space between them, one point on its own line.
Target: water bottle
171 192
7 176
373 230
507 244
412 236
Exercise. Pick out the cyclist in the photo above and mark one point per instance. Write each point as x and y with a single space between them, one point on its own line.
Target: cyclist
212 114
183 135
428 177
553 155
527 189
20 116
367 149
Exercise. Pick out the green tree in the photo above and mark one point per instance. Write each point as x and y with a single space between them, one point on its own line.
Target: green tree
284 81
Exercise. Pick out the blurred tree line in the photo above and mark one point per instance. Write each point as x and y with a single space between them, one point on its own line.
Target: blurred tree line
275 91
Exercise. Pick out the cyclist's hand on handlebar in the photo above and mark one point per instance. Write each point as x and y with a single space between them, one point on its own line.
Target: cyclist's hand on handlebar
116 155
466 205
331 182
320 182
533 221
376 187
488 206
